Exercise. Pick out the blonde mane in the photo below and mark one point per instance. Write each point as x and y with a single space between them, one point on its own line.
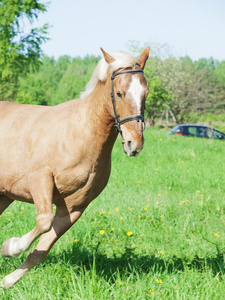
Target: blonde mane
122 61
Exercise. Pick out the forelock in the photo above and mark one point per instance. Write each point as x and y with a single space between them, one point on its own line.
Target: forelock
122 61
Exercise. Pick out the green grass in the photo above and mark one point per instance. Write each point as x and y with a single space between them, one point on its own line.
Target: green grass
171 198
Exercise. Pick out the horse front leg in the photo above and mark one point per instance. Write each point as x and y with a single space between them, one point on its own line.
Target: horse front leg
41 185
60 225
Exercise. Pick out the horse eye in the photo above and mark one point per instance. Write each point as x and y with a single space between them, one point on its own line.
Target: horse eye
119 95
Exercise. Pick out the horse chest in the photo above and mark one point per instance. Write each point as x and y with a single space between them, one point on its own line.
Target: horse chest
70 180
80 186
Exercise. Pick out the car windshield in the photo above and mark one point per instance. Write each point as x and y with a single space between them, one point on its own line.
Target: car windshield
175 129
218 135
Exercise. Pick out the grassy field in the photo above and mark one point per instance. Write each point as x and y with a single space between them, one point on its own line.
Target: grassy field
156 232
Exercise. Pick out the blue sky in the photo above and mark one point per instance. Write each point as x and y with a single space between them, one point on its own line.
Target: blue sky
190 27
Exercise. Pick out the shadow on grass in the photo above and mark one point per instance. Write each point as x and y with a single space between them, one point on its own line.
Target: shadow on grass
129 262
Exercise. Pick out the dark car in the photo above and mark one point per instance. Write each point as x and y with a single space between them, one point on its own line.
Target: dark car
197 131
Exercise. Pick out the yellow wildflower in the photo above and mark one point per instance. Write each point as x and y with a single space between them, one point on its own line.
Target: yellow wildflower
129 233
102 231
159 281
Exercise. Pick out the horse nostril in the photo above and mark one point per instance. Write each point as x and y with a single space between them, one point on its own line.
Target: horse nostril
129 144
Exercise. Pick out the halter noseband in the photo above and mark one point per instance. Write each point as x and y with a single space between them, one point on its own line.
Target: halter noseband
119 122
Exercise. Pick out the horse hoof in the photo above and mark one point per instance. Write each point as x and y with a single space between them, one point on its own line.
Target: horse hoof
6 283
9 247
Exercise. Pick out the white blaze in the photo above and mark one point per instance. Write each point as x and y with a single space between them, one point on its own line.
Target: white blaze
136 90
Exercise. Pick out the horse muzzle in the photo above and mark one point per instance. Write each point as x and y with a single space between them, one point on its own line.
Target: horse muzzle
131 148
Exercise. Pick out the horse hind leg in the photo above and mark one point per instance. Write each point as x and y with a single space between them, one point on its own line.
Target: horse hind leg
41 187
4 203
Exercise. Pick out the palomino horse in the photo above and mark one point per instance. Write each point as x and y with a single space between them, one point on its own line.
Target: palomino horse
62 154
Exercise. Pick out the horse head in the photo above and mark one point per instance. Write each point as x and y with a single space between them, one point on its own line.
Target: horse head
129 92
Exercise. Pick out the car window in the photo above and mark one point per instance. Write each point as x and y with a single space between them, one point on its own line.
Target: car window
210 133
192 130
184 130
200 131
217 135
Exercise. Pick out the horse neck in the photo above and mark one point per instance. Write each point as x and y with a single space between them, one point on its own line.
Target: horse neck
99 109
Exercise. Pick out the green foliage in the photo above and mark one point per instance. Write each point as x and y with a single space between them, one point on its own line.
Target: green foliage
209 64
179 88
220 72
217 121
171 197
158 99
57 81
19 52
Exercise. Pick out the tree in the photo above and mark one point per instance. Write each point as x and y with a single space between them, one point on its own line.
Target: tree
158 99
56 80
19 52
220 72
189 86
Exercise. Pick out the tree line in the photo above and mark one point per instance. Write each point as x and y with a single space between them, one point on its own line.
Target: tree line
180 89
185 89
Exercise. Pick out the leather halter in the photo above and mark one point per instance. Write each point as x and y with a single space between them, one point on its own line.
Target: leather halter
119 122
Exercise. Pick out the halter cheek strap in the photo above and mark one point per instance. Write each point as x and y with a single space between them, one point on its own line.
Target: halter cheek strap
119 122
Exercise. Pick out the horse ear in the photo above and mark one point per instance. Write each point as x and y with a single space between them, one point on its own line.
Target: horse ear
108 58
143 58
